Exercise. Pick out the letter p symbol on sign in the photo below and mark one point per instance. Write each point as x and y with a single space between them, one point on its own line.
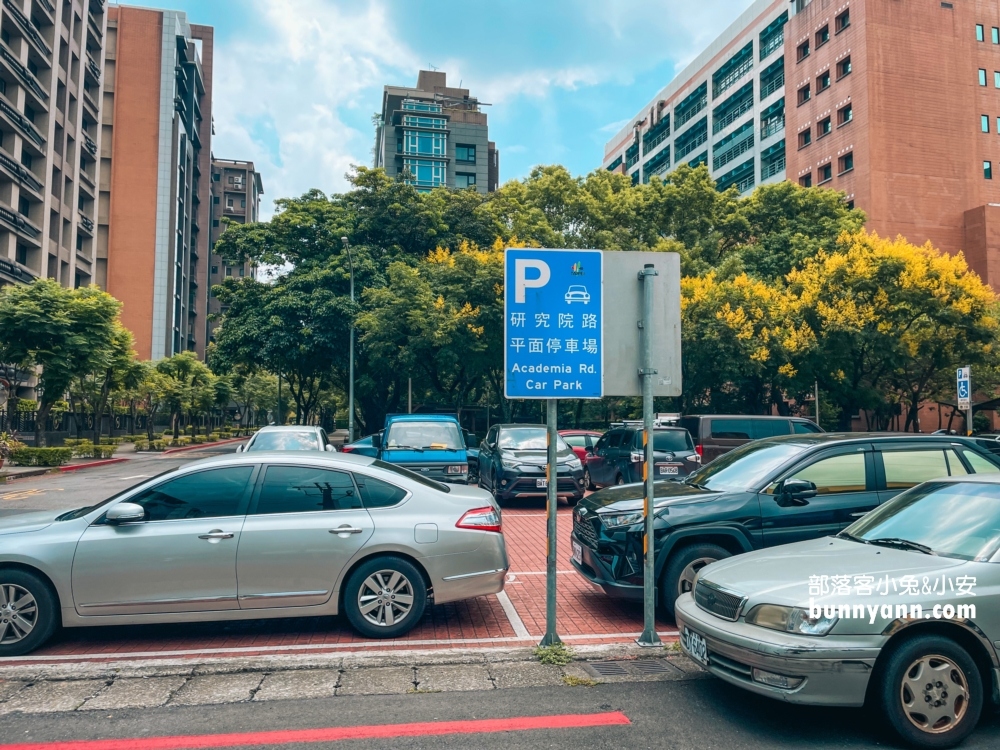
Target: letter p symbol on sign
521 282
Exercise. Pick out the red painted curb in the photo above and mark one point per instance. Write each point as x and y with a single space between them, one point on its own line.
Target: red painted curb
338 734
203 445
77 467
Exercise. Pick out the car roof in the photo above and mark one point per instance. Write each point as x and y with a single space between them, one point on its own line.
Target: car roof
421 418
515 424
824 438
746 416
289 428
333 460
580 432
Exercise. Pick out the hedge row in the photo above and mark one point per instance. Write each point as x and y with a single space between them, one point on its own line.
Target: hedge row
42 456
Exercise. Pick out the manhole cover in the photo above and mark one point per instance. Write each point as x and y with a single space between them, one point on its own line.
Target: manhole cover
607 668
654 666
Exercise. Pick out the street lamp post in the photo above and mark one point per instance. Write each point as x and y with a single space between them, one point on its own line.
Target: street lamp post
350 376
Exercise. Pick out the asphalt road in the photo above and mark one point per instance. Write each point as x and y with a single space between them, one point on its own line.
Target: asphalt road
75 489
699 714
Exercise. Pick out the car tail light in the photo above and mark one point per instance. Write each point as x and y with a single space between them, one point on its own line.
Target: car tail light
481 519
698 449
346 449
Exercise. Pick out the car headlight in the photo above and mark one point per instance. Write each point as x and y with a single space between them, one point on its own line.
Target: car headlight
458 469
790 620
617 520
510 463
575 464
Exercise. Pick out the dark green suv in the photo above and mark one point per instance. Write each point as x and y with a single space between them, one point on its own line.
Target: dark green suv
765 493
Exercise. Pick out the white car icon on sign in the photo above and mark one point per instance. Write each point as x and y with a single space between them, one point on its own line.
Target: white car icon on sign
577 293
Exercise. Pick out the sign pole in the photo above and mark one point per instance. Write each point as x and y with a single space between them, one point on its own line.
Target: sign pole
648 372
965 395
552 474
968 412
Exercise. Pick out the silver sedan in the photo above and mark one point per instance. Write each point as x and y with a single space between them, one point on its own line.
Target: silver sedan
251 536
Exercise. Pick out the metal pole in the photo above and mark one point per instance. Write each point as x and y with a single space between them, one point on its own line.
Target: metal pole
552 473
968 412
350 376
649 636
409 395
816 393
281 417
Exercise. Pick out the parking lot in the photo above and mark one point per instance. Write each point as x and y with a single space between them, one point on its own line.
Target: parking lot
515 617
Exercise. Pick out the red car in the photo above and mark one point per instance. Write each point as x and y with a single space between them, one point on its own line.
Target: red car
581 441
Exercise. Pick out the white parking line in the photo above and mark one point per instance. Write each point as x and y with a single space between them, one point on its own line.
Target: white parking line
137 476
512 616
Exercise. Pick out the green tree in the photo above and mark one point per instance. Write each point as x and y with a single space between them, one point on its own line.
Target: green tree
183 384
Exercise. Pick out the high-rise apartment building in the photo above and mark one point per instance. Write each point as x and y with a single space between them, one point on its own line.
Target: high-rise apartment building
855 86
155 203
436 134
51 57
236 190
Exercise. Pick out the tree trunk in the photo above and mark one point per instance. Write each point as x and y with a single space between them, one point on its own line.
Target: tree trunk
41 418
176 424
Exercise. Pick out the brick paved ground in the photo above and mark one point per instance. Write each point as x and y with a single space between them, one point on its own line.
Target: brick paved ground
585 616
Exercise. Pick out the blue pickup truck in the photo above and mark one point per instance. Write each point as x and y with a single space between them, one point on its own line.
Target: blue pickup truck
433 445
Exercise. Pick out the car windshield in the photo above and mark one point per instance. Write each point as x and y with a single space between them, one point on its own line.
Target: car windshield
960 519
439 486
284 440
671 440
444 436
528 439
747 466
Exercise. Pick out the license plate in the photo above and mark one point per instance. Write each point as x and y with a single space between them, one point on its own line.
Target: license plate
696 646
577 553
669 470
541 482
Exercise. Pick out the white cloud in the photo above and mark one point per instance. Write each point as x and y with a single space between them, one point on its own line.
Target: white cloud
311 61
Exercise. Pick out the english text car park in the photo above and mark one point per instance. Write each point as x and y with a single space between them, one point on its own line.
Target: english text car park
360 382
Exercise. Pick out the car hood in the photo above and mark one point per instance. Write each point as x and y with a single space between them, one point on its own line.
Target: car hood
629 497
23 522
781 575
405 456
537 457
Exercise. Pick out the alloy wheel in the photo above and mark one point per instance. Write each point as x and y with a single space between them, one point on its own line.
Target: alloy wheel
934 694
686 582
18 613
385 598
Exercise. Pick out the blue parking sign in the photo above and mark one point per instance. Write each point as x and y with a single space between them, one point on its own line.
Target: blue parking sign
553 323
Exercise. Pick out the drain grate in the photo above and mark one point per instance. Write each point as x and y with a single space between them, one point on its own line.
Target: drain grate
633 668
607 668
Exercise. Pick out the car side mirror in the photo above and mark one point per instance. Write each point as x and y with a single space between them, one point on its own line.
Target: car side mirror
796 492
330 449
240 448
125 513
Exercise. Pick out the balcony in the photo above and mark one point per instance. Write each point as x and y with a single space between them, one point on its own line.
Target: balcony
24 75
733 146
96 6
48 7
734 69
767 171
20 224
94 69
95 30
89 101
85 177
23 123
691 106
690 140
28 29
87 223
742 177
15 273
20 173
732 109
89 145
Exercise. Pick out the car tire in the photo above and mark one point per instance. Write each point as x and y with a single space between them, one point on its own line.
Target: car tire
17 615
619 480
494 487
902 692
678 577
362 591
587 481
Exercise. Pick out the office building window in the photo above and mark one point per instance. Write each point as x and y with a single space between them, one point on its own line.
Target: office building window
424 143
844 68
23 206
982 77
984 123
464 180
805 137
215 200
825 173
426 174
215 269
988 170
215 222
21 255
229 201
998 125
5 36
465 152
822 36
804 94
229 271
806 180
243 203
846 162
25 157
843 21
824 127
216 177
850 205
996 35
802 52
979 32
3 86
823 82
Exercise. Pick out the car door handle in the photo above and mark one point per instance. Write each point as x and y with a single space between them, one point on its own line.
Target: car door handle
217 534
345 529
860 513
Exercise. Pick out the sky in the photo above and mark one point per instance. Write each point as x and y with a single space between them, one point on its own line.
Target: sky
296 82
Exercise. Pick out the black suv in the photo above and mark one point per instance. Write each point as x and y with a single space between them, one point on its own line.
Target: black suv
765 493
618 456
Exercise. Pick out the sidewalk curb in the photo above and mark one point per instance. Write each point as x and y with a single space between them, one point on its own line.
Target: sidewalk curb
42 471
95 464
202 446
73 671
